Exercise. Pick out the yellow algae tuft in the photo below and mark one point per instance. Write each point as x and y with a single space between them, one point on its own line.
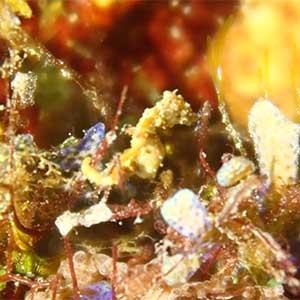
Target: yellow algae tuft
105 3
103 178
20 7
257 54
23 240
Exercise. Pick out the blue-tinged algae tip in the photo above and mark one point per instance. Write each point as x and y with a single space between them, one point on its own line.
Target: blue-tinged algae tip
234 170
184 213
71 156
92 139
101 290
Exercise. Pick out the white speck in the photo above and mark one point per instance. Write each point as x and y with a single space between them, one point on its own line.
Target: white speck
219 73
138 220
174 3
175 32
187 9
66 74
95 214
110 137
73 18
66 222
